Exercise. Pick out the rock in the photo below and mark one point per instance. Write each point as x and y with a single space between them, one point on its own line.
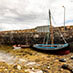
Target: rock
34 71
17 67
26 71
6 69
62 60
30 64
48 67
22 60
61 69
71 57
36 36
64 66
56 60
32 68
45 71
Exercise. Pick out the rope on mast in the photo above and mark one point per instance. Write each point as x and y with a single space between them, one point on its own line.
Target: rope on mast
59 31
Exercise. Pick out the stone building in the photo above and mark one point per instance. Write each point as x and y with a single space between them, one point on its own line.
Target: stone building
42 28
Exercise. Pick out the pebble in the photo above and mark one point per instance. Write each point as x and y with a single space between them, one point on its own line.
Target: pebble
64 66
25 70
45 71
71 57
15 66
22 60
31 64
34 71
6 69
32 68
48 67
62 60
18 67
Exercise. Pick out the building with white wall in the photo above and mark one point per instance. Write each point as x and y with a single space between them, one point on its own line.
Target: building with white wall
42 28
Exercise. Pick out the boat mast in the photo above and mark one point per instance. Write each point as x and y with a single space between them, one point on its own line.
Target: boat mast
64 17
51 29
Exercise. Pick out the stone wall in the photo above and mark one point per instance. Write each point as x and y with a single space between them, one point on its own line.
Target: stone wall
33 37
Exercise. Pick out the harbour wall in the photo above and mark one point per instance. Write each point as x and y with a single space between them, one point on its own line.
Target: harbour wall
34 37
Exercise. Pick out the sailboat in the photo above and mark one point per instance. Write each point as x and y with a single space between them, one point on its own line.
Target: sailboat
52 46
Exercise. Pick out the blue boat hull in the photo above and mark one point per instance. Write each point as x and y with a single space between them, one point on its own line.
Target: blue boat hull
50 47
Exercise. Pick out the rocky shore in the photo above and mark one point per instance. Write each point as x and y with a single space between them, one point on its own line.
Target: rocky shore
28 60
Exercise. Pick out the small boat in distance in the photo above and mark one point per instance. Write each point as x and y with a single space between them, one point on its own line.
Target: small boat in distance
52 46
16 47
21 46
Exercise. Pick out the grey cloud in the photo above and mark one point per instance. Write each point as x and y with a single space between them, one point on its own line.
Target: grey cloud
27 12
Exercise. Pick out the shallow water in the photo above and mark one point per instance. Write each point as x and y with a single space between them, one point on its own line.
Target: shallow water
6 57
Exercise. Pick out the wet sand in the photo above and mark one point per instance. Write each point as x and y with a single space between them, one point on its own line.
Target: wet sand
28 60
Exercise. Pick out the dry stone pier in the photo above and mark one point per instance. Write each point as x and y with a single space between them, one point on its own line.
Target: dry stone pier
31 38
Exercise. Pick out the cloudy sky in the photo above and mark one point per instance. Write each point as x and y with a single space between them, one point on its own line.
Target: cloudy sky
26 14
